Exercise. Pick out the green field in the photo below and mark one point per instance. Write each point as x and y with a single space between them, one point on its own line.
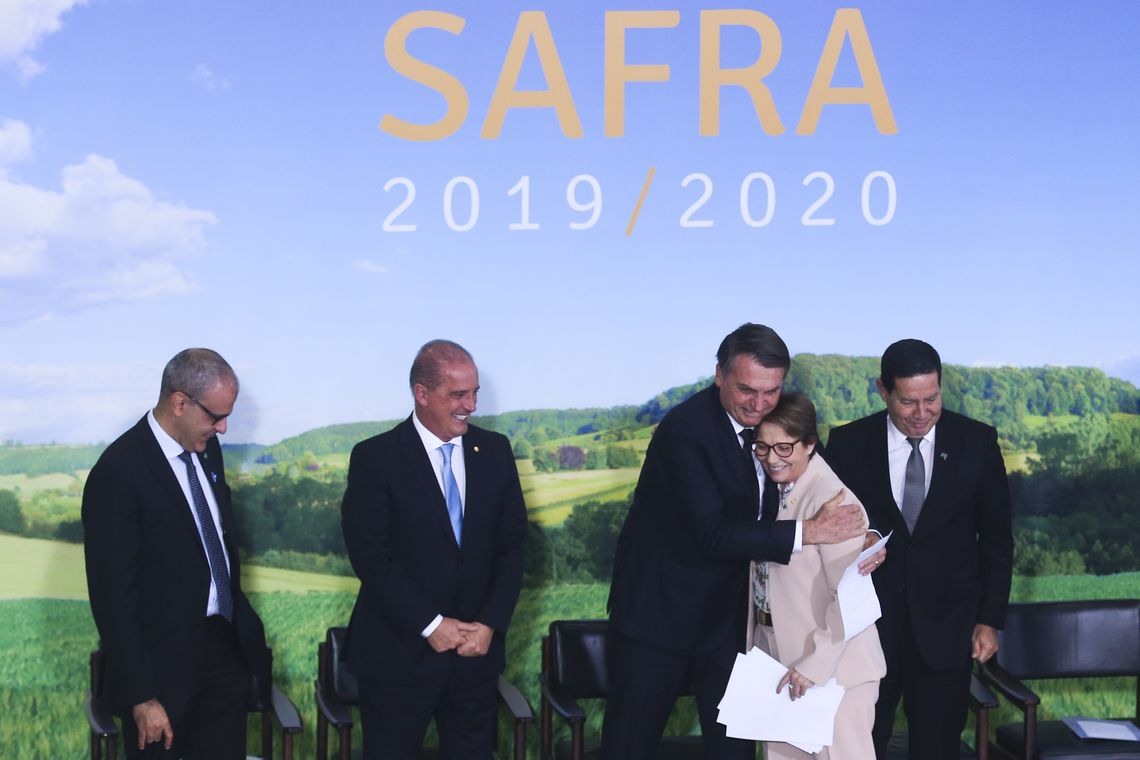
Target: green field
31 567
44 642
551 496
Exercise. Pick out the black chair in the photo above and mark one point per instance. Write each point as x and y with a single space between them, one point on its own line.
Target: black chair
337 693
104 732
573 668
1087 639
982 700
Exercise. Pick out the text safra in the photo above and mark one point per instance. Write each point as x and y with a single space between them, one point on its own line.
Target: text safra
532 28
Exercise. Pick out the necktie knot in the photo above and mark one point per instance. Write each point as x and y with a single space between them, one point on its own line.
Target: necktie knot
445 449
914 442
748 435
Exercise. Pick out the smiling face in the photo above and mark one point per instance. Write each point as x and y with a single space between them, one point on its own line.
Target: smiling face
748 390
445 409
780 469
914 404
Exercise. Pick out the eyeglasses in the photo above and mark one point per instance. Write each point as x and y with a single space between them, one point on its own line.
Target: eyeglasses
215 417
783 449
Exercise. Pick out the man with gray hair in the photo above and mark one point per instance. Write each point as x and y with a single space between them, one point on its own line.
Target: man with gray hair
435 526
180 640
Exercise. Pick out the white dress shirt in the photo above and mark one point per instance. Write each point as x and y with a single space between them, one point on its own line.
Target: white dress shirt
171 449
898 452
432 444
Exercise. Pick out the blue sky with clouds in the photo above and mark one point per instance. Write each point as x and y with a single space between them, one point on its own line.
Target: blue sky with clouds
212 173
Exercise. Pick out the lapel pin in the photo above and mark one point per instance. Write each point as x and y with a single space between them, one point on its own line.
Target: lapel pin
475 449
945 456
214 477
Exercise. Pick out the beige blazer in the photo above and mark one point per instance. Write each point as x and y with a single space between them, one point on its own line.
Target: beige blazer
808 628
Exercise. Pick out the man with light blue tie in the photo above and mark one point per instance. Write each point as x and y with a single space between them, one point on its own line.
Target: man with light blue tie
435 526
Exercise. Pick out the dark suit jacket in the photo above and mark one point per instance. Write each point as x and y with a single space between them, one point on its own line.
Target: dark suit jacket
681 564
403 550
148 576
955 570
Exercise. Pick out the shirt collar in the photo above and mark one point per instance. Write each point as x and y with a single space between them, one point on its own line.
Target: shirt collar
430 440
897 440
171 448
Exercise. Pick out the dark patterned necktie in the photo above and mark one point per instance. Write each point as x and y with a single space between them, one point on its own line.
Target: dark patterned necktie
914 485
213 542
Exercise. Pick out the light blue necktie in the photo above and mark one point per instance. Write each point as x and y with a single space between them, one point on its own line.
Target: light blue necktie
451 493
213 542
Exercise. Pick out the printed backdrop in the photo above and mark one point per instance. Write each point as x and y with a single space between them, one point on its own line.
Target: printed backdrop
588 197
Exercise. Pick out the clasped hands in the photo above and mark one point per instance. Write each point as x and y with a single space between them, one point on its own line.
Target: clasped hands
467 639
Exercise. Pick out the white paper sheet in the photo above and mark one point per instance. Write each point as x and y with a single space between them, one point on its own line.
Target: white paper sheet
751 708
858 602
1090 728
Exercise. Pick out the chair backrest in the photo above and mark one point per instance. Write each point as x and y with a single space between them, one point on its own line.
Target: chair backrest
1071 639
578 657
343 682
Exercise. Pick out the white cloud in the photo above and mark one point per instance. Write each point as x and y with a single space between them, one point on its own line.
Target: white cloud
203 75
83 403
23 24
103 238
15 143
369 267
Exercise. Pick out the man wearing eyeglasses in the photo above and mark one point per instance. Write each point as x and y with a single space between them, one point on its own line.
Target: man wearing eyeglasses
679 591
179 638
937 480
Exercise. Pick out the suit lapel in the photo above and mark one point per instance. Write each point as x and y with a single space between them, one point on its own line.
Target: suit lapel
160 470
730 450
946 448
422 468
474 455
881 467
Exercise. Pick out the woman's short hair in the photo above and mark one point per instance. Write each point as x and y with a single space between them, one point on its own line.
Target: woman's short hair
796 414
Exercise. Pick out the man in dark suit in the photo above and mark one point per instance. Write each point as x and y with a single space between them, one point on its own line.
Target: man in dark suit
937 480
678 597
435 526
179 638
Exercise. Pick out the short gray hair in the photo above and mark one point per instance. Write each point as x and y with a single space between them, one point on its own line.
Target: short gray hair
195 371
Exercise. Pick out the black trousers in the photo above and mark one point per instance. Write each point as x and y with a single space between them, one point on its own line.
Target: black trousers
935 703
212 727
394 717
644 685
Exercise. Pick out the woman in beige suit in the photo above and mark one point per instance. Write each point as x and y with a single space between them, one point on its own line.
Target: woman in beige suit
794 608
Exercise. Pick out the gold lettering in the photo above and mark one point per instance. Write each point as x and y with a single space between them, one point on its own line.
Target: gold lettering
532 25
751 77
452 90
848 23
618 72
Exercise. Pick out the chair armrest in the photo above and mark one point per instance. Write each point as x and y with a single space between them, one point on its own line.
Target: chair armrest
335 711
563 704
981 696
99 718
994 675
285 712
515 702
